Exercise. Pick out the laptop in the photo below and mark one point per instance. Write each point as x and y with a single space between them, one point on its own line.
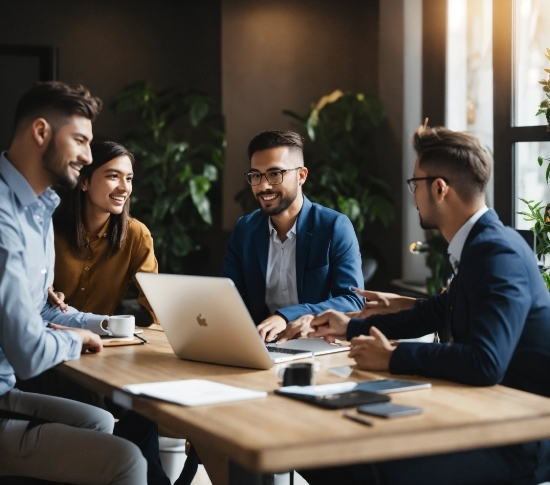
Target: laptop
205 319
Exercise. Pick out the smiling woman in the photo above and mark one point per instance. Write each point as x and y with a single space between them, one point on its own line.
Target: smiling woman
99 247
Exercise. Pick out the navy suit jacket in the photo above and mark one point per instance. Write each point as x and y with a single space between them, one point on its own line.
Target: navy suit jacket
328 262
498 313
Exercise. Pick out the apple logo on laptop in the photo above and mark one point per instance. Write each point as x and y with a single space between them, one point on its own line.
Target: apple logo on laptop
201 321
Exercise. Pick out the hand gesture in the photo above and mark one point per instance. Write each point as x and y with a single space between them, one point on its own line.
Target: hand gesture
271 327
378 303
330 325
372 352
57 299
90 341
298 328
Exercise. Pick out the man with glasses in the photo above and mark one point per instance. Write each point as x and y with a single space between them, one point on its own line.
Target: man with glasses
291 259
496 312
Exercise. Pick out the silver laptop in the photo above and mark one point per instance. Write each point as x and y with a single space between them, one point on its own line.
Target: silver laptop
205 319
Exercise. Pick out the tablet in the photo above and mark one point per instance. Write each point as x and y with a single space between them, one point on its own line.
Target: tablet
338 400
386 386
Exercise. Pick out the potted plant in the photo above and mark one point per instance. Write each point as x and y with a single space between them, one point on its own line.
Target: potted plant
541 222
178 147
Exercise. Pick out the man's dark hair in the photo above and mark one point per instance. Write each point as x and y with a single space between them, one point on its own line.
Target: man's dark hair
68 219
456 156
54 99
275 139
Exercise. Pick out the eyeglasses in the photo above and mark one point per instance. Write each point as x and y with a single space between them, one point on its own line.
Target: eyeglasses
411 183
273 177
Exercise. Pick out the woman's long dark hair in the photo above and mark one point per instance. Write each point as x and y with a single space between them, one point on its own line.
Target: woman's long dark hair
68 218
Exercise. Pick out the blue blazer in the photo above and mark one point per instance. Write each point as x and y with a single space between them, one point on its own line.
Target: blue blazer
498 313
328 262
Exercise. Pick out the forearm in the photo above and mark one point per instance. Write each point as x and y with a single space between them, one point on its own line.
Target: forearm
423 318
74 318
343 303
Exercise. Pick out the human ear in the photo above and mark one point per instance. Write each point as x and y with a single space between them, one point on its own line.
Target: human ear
303 175
41 131
441 188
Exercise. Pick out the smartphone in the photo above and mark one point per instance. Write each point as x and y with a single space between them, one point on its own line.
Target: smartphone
388 410
385 386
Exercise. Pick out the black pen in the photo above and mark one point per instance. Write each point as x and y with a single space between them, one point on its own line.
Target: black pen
143 341
358 419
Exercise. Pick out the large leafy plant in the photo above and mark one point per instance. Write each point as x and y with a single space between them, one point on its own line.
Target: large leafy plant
178 147
541 222
341 149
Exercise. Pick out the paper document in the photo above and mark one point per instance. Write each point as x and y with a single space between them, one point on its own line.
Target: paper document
320 390
193 392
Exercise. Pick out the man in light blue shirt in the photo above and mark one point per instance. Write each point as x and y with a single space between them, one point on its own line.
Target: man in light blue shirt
44 436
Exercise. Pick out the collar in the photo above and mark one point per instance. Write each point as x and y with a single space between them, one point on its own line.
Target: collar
101 233
457 242
273 231
21 187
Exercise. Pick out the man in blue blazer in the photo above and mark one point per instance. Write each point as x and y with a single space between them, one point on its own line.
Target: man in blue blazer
291 259
495 317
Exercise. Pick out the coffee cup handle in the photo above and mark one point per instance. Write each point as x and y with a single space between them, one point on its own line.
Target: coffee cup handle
100 328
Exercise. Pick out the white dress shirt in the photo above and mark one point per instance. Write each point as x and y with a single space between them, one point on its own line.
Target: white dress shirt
280 279
457 242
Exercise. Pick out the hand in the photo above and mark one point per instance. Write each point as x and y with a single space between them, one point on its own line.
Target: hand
298 328
330 325
90 341
372 352
57 299
271 327
379 303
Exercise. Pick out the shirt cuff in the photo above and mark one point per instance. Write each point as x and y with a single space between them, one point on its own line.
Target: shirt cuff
356 327
93 323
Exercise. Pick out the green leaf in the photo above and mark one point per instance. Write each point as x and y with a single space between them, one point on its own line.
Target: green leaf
210 172
547 173
199 109
540 160
199 187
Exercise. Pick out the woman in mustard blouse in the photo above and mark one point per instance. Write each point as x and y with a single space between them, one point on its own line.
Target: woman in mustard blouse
99 247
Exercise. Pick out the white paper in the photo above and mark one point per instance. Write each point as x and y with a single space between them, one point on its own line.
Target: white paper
320 390
193 392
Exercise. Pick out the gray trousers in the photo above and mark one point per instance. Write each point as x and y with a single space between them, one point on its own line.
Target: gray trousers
77 447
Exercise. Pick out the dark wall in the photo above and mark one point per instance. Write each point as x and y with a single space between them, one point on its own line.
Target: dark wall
107 44
286 54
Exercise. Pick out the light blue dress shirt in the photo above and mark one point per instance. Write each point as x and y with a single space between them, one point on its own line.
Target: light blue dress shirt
27 346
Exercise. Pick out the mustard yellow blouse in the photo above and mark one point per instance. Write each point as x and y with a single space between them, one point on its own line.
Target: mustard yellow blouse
93 281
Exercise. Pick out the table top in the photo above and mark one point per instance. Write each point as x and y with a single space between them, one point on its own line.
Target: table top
276 434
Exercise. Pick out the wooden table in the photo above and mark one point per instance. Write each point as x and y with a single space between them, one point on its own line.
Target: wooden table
277 434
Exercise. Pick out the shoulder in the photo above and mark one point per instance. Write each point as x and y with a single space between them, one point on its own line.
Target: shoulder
323 217
499 247
137 230
250 222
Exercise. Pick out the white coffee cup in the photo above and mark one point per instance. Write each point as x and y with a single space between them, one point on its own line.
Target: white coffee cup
121 325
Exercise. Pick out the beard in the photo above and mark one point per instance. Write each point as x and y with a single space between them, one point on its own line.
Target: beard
52 161
284 203
426 225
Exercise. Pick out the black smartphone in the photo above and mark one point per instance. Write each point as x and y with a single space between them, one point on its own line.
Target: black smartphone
338 400
388 410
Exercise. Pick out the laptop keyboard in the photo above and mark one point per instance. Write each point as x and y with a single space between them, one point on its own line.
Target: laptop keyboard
279 350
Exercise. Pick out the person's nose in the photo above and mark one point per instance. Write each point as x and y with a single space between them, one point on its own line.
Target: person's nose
125 185
86 155
264 183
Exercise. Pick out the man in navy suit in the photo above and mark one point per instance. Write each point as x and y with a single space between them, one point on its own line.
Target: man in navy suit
291 259
495 318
